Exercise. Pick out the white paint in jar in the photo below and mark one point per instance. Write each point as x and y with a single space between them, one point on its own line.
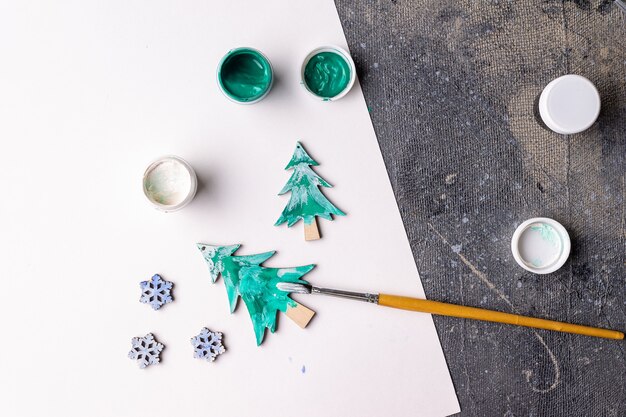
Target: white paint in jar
169 183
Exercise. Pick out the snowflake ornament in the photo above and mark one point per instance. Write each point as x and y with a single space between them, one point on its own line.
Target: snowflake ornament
207 345
156 292
146 350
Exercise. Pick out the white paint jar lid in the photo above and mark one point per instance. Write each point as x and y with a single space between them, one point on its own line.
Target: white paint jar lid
169 183
569 104
540 245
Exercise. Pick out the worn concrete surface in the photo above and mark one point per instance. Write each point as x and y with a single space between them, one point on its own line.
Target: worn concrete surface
451 86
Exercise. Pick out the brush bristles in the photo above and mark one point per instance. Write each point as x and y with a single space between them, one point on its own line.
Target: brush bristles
294 288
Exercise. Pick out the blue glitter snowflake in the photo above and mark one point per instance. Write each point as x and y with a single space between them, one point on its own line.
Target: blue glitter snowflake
207 345
146 350
156 292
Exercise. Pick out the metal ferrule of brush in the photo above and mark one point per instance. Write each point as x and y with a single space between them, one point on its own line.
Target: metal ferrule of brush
367 297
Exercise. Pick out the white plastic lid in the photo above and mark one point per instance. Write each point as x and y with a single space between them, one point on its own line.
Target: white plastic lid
540 245
569 104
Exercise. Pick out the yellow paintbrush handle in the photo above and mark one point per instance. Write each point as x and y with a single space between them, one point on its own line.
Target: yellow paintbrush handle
453 310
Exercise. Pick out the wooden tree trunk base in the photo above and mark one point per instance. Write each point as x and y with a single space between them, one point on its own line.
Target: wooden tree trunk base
311 232
300 314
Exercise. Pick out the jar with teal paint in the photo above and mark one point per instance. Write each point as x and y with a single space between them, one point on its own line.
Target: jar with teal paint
245 75
328 73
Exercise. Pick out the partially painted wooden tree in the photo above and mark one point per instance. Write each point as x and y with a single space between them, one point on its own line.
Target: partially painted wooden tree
306 201
245 277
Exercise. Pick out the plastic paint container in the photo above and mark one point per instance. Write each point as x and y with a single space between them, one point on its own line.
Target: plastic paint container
169 183
540 245
245 75
328 73
569 104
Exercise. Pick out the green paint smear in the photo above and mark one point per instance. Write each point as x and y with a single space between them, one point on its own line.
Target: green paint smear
245 277
245 75
538 263
306 200
327 74
546 232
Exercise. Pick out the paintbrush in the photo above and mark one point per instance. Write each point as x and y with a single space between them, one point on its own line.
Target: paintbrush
452 310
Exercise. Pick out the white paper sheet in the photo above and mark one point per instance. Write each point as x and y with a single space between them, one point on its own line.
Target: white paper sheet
90 93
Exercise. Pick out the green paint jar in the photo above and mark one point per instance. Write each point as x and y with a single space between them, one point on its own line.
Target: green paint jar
245 75
328 73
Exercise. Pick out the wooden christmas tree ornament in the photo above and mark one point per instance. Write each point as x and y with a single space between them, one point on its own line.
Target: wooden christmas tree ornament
306 201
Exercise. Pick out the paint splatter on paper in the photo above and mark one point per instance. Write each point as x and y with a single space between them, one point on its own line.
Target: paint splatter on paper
245 277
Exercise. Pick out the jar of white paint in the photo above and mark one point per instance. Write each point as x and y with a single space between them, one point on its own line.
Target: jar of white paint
169 183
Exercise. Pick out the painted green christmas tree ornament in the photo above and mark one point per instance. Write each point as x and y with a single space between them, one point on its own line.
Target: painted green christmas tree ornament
307 201
245 277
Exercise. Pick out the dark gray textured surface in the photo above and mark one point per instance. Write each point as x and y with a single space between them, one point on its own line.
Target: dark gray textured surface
451 86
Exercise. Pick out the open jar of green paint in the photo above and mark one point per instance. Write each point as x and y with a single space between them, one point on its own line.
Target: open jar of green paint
245 75
328 73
